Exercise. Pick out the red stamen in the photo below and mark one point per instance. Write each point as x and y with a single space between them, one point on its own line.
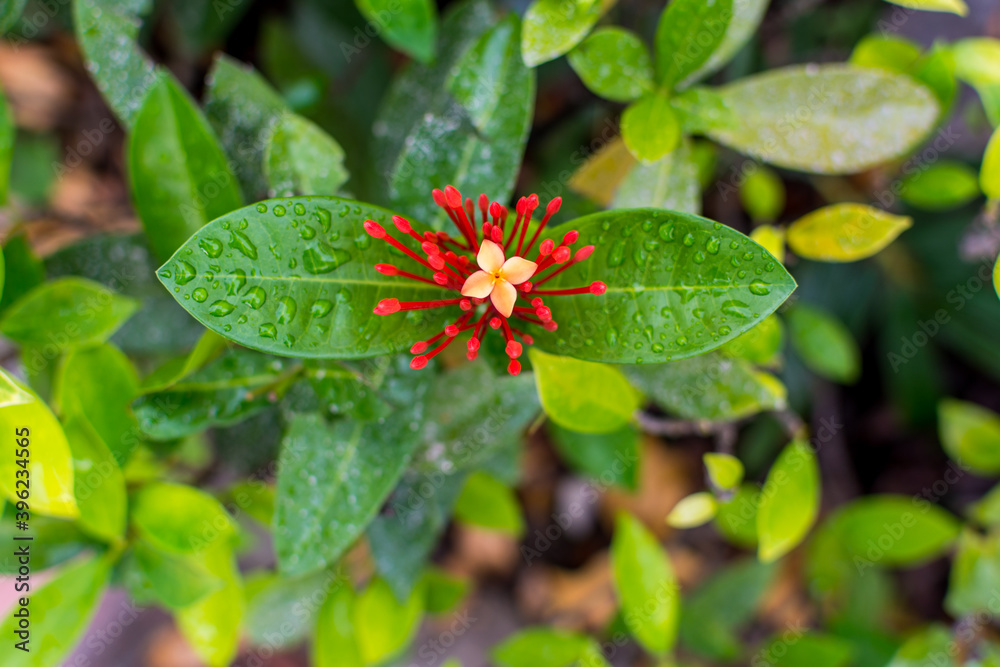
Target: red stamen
514 367
596 287
529 208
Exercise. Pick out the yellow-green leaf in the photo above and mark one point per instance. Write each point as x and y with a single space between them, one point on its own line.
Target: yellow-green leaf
487 502
50 464
599 177
943 185
970 435
582 395
789 502
763 195
11 393
725 470
694 510
180 518
384 625
650 127
772 239
844 232
886 51
951 6
212 625
98 482
977 60
824 343
647 588
336 644
553 27
989 173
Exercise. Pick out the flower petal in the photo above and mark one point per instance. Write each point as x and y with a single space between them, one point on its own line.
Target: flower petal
503 297
490 257
478 285
517 269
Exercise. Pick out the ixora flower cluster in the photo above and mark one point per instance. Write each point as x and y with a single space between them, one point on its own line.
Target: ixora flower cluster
502 276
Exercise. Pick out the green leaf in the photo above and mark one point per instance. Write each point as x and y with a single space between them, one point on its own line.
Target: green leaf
824 343
425 138
296 277
713 615
336 644
677 285
542 647
759 345
810 649
650 127
10 12
255 498
289 603
208 347
951 6
302 159
582 395
693 510
383 625
646 586
66 313
614 63
11 393
737 517
23 270
887 530
180 519
227 391
408 25
180 177
970 435
243 110
886 51
977 60
59 612
989 172
710 386
924 648
975 574
789 502
845 232
489 503
745 17
332 480
943 185
763 194
670 182
100 383
724 470
688 33
175 581
553 27
609 458
98 483
107 33
7 135
853 117
33 427
212 625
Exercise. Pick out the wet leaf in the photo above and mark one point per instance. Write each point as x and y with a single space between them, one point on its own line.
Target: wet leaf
302 159
709 386
227 391
789 502
98 484
553 27
694 510
646 586
332 480
66 313
845 232
107 32
943 185
60 612
289 603
609 458
745 17
688 33
11 393
49 461
243 109
854 117
650 127
488 503
425 138
614 63
408 25
582 395
772 239
296 277
671 182
970 435
677 285
824 343
179 175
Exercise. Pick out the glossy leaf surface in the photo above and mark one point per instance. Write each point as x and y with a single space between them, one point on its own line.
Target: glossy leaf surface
408 25
553 27
614 63
688 33
302 159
